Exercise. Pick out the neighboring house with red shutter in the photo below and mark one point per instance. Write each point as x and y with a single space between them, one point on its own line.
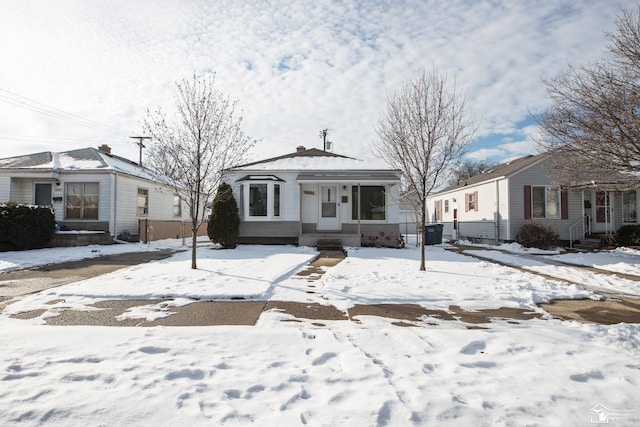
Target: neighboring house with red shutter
492 206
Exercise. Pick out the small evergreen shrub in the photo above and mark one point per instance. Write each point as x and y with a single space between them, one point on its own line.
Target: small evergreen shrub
534 234
26 227
628 235
224 224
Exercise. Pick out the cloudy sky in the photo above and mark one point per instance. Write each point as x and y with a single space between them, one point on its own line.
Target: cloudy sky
78 73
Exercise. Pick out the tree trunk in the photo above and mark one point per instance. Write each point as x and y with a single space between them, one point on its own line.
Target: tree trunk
194 240
423 236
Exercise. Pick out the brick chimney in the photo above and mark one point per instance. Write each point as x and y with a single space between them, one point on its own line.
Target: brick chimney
300 148
105 148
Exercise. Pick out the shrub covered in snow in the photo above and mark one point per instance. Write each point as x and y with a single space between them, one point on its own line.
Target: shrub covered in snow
534 234
224 224
25 227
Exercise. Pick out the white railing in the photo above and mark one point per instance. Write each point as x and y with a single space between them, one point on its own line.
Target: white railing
579 229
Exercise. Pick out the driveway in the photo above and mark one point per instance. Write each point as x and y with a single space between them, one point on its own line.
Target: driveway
24 282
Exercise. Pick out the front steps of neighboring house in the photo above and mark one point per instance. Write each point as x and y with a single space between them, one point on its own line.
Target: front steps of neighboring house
591 243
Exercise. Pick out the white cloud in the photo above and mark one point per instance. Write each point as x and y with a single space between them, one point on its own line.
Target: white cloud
295 67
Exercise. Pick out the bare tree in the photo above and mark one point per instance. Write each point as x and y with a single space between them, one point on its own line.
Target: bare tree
593 124
468 168
193 147
424 133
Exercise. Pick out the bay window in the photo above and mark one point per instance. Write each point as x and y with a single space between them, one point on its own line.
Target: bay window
260 200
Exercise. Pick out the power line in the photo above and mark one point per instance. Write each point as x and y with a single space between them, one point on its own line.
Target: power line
49 111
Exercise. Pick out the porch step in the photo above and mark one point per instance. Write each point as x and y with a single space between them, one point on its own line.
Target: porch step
324 245
588 244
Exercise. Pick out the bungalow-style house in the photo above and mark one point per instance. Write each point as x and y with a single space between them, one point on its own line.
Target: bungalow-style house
94 190
311 194
492 206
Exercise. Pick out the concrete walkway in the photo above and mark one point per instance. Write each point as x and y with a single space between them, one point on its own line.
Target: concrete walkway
614 307
210 313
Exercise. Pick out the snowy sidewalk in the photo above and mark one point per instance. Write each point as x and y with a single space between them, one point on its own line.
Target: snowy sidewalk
560 268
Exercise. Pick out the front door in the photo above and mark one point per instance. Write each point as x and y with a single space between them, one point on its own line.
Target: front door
329 215
602 212
42 194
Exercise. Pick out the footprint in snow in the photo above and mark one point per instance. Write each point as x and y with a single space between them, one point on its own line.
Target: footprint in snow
153 350
583 378
473 347
324 358
194 374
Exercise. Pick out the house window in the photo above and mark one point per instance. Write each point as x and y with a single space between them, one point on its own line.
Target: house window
545 202
629 206
438 210
143 202
446 206
373 204
257 199
471 201
177 206
81 201
276 199
263 200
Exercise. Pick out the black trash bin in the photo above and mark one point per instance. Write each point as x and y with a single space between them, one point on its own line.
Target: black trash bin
433 234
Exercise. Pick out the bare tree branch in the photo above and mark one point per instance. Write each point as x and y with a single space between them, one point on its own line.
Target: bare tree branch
424 133
593 124
193 148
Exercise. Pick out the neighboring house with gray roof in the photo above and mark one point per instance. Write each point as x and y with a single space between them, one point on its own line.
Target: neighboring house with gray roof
311 194
492 206
90 189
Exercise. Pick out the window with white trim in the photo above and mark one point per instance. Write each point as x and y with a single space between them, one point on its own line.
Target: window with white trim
263 200
142 204
471 202
446 206
438 210
177 206
373 204
545 202
81 200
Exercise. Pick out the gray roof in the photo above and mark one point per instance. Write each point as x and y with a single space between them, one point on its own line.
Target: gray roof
503 170
310 152
80 160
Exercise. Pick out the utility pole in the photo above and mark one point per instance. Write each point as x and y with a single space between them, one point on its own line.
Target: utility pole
140 144
325 144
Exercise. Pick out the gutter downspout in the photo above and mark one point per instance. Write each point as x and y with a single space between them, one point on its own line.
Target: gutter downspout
497 220
359 204
114 204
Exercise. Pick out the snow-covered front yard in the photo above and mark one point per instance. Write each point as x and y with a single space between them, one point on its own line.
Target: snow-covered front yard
534 372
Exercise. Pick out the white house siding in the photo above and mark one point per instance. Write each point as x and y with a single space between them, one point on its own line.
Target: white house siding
5 189
22 190
160 204
478 225
309 206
